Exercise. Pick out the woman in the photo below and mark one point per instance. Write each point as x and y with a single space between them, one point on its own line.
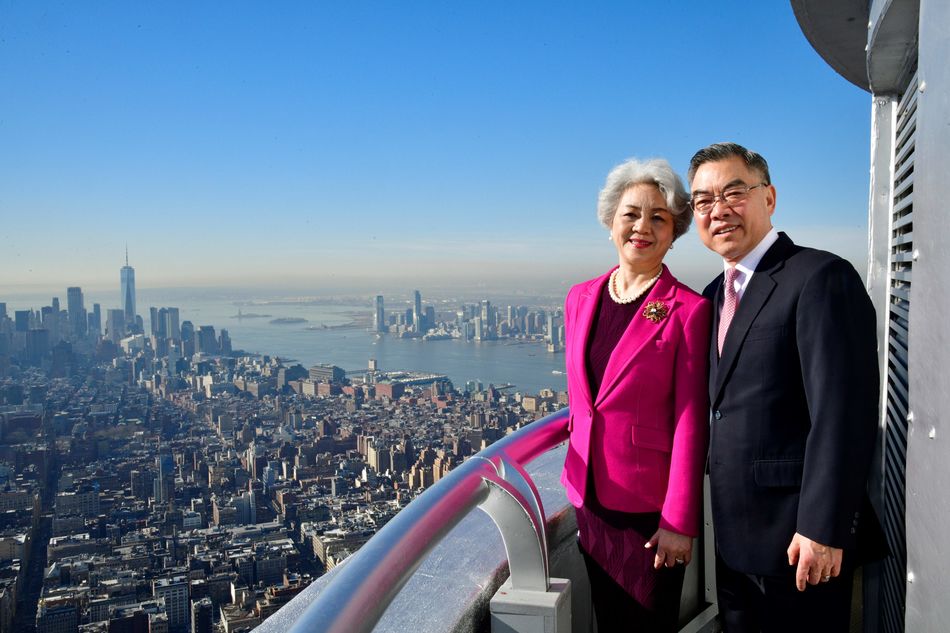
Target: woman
637 343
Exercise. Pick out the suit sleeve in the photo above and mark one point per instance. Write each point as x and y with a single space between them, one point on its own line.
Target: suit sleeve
837 346
683 502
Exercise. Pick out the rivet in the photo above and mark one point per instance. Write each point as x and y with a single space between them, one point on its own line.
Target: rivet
933 433
910 577
910 416
916 254
923 86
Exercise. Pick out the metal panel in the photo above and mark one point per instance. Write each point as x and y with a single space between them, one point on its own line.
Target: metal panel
928 440
900 284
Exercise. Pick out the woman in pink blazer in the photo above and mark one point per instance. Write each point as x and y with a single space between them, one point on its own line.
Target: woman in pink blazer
637 344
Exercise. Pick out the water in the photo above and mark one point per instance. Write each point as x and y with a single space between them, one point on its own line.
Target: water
527 365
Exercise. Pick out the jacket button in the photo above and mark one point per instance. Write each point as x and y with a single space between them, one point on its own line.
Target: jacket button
717 414
853 531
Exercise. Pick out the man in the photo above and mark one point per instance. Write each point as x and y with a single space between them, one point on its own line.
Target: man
793 390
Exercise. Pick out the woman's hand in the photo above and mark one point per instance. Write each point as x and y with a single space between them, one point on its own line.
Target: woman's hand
671 548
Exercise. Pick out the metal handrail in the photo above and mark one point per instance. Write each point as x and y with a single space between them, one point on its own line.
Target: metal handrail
364 587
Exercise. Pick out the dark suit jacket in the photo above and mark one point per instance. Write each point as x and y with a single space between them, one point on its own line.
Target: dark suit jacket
795 407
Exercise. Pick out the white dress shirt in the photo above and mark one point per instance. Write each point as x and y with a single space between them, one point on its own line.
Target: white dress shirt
750 262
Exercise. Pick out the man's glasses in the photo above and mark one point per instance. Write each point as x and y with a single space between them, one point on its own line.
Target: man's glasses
703 203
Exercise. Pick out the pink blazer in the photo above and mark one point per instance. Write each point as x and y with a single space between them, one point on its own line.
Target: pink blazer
644 439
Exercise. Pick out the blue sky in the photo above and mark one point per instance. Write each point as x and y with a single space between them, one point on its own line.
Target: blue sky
383 143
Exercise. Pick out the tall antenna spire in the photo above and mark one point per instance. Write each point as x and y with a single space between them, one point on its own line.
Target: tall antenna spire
126 253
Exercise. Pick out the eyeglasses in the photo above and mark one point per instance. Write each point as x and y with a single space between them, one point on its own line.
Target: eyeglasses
703 203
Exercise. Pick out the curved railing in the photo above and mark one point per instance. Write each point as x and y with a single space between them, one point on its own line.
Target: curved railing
493 480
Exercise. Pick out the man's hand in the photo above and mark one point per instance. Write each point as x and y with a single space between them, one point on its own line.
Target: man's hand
671 548
816 562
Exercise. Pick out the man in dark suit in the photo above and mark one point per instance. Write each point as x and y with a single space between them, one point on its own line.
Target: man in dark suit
793 390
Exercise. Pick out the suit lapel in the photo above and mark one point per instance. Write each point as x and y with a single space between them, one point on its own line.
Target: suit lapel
716 299
638 334
584 318
753 300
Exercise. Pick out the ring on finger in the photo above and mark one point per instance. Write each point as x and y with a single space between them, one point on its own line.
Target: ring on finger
679 561
825 578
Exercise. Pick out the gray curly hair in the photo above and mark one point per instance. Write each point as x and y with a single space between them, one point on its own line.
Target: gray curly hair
655 171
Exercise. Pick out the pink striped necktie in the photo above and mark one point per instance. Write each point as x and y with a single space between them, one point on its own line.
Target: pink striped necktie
729 305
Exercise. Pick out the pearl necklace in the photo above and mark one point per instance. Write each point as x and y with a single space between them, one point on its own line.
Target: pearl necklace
615 295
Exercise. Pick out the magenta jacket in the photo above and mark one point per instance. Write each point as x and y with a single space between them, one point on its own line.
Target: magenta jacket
644 439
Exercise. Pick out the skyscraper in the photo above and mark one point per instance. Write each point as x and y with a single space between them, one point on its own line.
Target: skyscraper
21 320
77 313
207 340
380 324
127 282
187 339
224 342
50 320
156 321
115 325
95 320
172 329
417 311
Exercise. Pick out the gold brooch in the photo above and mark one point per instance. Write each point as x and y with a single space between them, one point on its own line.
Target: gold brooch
656 311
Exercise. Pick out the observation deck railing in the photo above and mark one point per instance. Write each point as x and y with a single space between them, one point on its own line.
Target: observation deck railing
354 596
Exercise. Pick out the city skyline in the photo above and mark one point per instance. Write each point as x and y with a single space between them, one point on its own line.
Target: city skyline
355 147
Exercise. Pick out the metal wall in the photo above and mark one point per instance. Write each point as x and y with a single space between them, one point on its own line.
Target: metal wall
928 440
897 416
909 279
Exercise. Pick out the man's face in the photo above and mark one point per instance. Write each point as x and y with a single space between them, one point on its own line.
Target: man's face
733 230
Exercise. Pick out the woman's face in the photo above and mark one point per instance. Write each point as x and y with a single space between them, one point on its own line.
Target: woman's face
642 229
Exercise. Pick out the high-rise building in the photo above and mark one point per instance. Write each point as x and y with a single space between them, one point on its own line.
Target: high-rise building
207 341
95 320
50 320
21 320
37 346
156 322
417 311
187 339
115 325
163 486
380 322
77 312
224 342
172 329
127 283
488 314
